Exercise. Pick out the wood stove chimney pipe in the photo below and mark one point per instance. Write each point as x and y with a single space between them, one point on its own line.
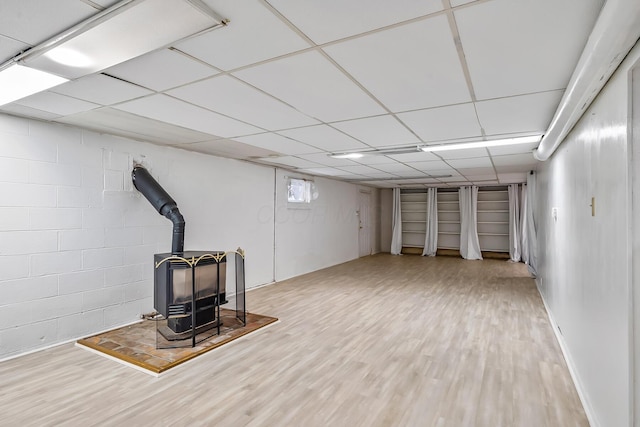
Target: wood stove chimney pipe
162 202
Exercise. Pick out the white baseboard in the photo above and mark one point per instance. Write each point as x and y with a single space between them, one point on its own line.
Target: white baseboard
70 340
569 361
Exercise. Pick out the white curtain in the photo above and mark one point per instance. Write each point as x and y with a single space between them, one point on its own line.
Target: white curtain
469 243
529 226
514 223
524 237
396 238
431 239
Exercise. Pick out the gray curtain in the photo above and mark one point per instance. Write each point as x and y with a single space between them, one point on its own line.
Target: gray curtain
396 237
469 243
431 238
514 222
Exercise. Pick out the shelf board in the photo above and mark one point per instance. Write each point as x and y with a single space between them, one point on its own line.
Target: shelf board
414 232
452 233
493 234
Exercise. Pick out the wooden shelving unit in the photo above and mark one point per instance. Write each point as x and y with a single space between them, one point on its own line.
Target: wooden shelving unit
493 219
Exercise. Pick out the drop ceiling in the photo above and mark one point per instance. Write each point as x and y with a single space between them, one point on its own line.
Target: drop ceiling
289 82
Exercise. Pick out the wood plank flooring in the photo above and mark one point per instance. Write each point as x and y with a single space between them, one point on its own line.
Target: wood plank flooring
380 341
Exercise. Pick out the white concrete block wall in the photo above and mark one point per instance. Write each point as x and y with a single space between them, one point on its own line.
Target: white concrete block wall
77 240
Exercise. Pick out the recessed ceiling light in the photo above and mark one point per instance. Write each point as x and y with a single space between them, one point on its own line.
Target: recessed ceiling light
124 31
70 57
347 155
481 144
17 82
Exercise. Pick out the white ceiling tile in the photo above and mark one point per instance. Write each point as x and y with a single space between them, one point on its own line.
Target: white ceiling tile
10 48
379 175
375 160
525 113
454 179
105 3
290 161
324 137
437 124
518 47
479 162
397 168
101 89
253 34
234 98
418 156
349 176
381 131
513 149
161 70
514 159
313 85
170 110
351 17
409 67
326 160
359 169
278 143
463 154
118 122
437 165
455 3
25 111
512 178
33 22
477 171
323 171
56 103
228 148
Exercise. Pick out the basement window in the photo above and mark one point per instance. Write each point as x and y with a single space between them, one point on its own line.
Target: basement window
298 191
301 192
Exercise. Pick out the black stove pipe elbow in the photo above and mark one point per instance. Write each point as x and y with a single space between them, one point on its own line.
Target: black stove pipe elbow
162 202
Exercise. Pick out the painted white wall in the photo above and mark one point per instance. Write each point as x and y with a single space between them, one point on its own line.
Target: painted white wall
584 260
77 240
635 238
318 235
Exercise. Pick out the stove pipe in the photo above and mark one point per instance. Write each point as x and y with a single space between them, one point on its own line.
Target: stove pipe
162 202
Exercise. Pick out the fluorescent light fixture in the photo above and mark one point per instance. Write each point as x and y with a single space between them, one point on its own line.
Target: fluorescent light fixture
17 82
124 31
347 155
481 144
70 57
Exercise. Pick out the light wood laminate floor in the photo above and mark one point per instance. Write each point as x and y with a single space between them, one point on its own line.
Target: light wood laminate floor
380 341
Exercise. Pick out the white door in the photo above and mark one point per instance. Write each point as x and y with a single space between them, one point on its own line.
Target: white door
364 223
